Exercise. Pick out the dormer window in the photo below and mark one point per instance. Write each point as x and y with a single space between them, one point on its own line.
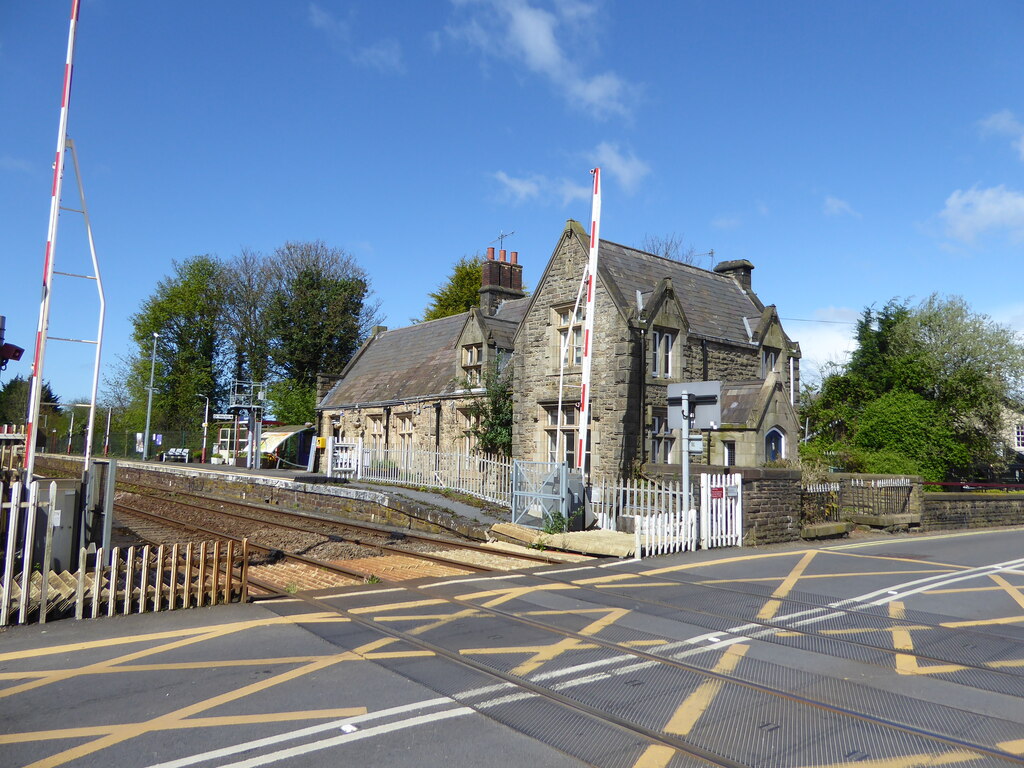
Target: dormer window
472 360
663 342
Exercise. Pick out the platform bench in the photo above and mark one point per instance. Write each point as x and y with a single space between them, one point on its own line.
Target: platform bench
176 454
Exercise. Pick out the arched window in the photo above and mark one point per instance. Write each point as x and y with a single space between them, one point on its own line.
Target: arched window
774 444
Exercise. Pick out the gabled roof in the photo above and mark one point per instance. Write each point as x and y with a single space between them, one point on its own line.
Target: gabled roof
403 364
502 327
714 304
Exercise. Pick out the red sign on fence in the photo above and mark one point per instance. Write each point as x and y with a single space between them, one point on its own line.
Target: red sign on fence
717 492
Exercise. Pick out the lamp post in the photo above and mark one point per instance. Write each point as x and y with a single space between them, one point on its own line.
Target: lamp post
206 424
149 403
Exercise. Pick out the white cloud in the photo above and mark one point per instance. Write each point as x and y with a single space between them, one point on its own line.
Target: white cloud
1005 123
628 169
539 187
974 212
826 339
517 31
726 222
8 163
520 189
833 206
384 55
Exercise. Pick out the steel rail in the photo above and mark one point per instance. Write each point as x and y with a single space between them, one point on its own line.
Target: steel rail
803 629
310 561
641 655
424 538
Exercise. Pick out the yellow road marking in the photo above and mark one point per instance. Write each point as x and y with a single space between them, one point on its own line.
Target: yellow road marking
196 722
772 606
1013 591
909 761
690 711
545 653
906 663
396 606
757 579
505 594
836 551
162 722
237 626
983 622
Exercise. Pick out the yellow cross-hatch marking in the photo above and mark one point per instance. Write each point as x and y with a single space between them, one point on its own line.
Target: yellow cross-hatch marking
690 711
906 661
770 608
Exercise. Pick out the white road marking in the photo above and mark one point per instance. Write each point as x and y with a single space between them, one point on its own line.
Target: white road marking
303 732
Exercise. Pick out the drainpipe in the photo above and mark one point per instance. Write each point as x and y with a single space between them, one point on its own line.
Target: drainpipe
704 358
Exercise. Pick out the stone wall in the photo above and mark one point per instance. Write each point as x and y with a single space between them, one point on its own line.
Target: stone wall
771 505
945 511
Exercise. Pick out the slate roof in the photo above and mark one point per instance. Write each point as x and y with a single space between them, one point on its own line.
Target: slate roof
403 364
503 325
714 304
739 399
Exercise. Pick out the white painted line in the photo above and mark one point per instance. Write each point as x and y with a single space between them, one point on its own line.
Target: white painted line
506 700
569 570
616 563
470 581
378 730
486 690
920 538
301 733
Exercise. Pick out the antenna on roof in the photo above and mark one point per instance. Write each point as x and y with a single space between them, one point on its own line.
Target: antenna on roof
501 238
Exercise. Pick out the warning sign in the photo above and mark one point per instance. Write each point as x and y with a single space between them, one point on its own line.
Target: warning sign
717 492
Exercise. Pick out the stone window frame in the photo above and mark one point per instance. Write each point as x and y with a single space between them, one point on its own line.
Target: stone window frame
472 362
376 430
406 430
570 433
729 453
564 323
663 354
782 443
662 441
469 421
770 357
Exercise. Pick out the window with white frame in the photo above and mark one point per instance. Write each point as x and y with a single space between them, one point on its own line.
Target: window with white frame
561 436
774 445
769 359
405 431
663 342
472 359
729 453
663 441
1018 436
570 334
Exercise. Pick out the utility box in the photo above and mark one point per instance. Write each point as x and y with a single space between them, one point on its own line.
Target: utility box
67 521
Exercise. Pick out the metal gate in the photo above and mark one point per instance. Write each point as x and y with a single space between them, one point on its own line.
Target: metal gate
539 493
345 458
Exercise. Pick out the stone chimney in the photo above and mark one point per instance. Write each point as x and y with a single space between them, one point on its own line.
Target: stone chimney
738 270
501 280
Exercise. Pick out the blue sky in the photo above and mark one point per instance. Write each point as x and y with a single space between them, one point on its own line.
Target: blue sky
852 151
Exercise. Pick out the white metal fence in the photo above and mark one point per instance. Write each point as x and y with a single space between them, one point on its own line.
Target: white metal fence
661 523
133 580
484 476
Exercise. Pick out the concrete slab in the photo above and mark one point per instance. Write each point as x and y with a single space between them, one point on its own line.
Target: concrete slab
603 543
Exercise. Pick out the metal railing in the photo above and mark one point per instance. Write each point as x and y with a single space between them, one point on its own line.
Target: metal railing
486 477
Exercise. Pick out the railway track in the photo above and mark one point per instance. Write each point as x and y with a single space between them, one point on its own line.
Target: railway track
300 551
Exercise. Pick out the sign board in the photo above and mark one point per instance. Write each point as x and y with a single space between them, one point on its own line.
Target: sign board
705 404
223 417
717 492
696 446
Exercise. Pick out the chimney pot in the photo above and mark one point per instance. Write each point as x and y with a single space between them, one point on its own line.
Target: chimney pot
501 255
490 253
514 256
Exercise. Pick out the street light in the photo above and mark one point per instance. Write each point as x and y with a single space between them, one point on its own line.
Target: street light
206 423
149 404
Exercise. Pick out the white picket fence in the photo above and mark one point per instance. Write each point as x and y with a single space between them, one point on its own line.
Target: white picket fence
484 476
661 523
106 583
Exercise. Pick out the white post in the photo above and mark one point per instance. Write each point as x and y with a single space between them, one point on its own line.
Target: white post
588 324
329 458
686 451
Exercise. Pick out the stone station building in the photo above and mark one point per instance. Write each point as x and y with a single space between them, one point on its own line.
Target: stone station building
657 322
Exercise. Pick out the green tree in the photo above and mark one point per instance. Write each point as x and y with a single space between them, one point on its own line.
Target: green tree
291 402
459 293
185 310
937 363
316 314
492 412
14 401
